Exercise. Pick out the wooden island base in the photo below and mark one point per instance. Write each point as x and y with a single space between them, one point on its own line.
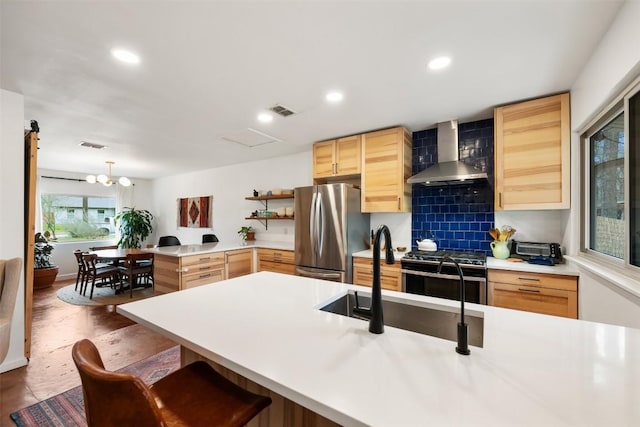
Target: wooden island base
281 412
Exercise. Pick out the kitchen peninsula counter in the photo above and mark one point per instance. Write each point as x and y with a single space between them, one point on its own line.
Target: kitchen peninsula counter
185 266
533 369
208 248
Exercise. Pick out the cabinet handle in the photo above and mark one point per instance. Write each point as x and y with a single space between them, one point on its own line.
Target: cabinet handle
532 279
205 259
335 168
529 290
226 258
398 203
204 276
500 199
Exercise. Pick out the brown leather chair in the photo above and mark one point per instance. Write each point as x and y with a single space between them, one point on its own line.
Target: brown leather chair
195 395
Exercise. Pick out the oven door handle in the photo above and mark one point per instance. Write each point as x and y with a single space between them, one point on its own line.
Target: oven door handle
443 276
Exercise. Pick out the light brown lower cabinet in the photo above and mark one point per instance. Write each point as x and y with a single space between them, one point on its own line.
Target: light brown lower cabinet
197 270
536 292
172 273
238 263
278 261
390 275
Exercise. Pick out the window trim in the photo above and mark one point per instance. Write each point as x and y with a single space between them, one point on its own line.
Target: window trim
620 104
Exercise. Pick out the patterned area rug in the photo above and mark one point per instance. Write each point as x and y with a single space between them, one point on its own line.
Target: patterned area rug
67 409
101 296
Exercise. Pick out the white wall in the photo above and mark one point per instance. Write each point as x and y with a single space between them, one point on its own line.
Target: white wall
62 255
12 201
614 64
535 226
229 186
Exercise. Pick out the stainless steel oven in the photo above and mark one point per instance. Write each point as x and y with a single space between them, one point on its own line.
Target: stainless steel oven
420 275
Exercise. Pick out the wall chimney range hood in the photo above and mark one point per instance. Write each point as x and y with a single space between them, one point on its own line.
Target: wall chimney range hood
449 170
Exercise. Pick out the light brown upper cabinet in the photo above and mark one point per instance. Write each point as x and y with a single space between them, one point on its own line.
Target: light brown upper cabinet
532 154
386 166
337 157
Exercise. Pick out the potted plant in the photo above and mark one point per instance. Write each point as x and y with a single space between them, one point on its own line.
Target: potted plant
134 226
44 273
247 233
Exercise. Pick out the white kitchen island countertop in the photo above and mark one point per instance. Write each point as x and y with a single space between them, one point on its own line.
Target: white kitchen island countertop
534 370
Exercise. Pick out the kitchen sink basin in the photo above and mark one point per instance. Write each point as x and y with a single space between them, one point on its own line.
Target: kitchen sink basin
423 320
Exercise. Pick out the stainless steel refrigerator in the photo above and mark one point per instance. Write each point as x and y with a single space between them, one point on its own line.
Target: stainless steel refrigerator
329 227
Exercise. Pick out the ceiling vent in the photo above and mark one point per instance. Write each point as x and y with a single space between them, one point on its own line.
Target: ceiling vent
250 138
92 145
282 110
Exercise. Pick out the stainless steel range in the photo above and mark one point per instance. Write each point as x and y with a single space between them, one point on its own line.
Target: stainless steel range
420 275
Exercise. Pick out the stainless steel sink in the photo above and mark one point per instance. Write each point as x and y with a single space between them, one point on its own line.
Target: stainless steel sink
423 320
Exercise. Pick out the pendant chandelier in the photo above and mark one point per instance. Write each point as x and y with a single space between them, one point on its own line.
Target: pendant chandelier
107 180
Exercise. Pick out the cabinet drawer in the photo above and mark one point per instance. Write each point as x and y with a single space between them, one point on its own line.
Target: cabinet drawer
536 299
390 275
203 259
550 281
277 267
203 278
275 255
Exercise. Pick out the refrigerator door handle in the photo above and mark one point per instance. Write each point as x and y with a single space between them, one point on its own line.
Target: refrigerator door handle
312 225
320 219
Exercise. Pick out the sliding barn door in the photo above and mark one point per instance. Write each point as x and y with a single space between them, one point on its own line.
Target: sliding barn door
30 171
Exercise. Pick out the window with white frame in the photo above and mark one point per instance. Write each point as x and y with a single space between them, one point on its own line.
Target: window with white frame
77 217
611 154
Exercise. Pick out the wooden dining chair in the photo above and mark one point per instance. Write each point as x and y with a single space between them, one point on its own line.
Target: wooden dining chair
107 274
81 269
195 395
137 265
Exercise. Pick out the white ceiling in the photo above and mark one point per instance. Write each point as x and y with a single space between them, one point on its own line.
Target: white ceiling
209 67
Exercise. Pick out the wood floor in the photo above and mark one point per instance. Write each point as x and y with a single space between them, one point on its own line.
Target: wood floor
56 327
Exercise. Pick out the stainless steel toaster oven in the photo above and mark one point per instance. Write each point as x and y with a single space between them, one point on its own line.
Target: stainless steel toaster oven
529 250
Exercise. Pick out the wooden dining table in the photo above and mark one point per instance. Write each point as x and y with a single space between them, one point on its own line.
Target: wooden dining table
115 257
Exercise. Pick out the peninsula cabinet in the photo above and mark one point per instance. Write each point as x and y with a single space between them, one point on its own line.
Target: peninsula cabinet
386 166
390 275
238 263
174 273
336 158
278 261
532 154
536 292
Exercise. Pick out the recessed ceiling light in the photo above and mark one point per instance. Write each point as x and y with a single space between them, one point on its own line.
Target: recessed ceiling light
265 117
125 56
334 96
439 63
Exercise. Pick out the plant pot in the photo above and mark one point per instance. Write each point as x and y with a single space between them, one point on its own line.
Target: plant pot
251 235
44 277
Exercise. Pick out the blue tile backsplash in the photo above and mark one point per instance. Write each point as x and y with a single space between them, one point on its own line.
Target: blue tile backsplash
459 216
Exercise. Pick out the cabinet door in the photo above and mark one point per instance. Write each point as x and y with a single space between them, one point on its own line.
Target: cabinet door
276 267
239 263
532 154
390 275
324 159
539 293
202 278
386 168
166 275
556 302
348 155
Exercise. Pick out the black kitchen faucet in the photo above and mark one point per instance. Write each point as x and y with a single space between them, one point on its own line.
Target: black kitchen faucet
374 312
463 328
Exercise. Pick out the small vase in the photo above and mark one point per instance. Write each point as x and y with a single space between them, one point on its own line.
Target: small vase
499 249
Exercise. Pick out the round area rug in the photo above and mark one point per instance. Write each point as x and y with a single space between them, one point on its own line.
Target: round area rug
101 296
